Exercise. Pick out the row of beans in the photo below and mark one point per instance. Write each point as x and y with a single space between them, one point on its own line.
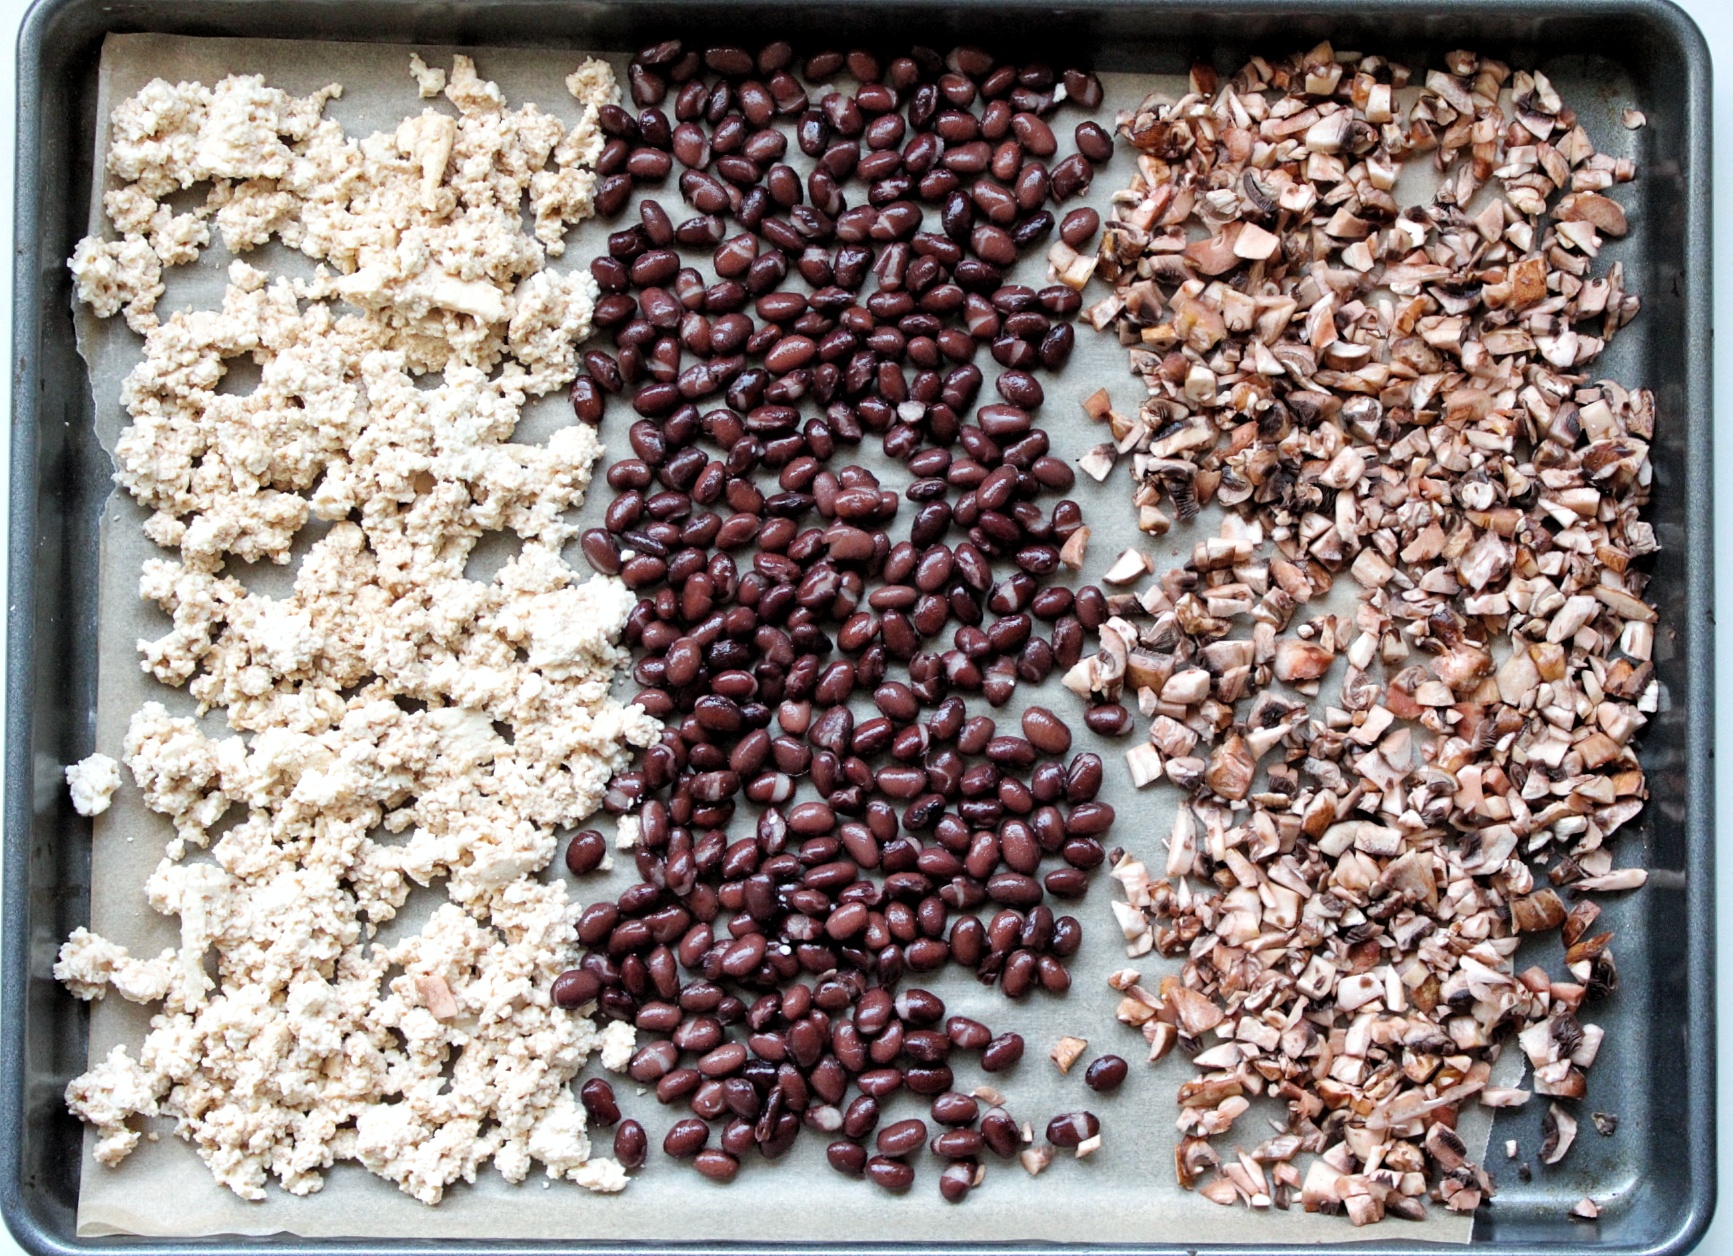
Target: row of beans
775 601
966 1130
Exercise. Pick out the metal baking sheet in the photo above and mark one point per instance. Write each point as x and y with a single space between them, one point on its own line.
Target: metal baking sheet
1657 1069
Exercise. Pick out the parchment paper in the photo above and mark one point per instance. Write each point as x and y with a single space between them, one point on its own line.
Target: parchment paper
1125 1193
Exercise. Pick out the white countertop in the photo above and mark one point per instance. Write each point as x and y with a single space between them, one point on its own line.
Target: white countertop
1715 17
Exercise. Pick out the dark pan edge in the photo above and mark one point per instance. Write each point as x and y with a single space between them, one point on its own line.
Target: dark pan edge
37 1233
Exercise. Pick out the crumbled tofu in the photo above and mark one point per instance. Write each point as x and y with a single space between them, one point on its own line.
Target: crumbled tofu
112 275
392 722
89 965
428 81
626 832
593 84
431 262
619 1040
93 782
106 1096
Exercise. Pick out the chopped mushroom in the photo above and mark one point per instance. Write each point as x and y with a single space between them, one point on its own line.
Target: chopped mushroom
1403 396
436 997
1075 547
1066 1051
1128 567
1558 1130
1035 1159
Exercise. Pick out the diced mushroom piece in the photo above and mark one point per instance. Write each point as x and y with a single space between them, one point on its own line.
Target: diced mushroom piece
1067 1050
1097 464
1451 90
1607 215
1182 844
1076 546
1345 469
1254 244
1196 1013
1231 768
1364 1209
1534 913
1162 1038
1586 1208
1220 1191
1356 991
1611 882
1446 1147
1298 660
1184 688
1129 566
436 997
1035 1159
1558 1130
1131 921
1329 133
1144 764
1215 255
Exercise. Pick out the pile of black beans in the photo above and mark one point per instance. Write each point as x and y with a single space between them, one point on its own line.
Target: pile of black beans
778 595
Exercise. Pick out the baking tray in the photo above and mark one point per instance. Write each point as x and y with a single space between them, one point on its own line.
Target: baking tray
1657 1067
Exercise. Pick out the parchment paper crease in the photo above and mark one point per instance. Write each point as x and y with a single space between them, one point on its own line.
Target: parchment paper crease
1125 1193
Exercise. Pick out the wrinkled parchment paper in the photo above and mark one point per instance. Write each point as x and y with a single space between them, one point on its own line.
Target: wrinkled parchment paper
1124 1194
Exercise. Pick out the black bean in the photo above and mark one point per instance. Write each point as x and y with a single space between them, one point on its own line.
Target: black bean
729 62
1002 1052
1108 719
861 1117
1079 226
685 1138
892 1175
716 1164
1067 937
1105 1073
585 852
957 1179
1000 1133
958 1144
575 987
630 1144
1066 882
1020 974
847 1157
1071 1128
1071 177
1046 731
1094 142
598 1099
902 1138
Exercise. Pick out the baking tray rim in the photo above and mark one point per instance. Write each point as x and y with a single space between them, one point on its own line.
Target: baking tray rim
1698 1099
